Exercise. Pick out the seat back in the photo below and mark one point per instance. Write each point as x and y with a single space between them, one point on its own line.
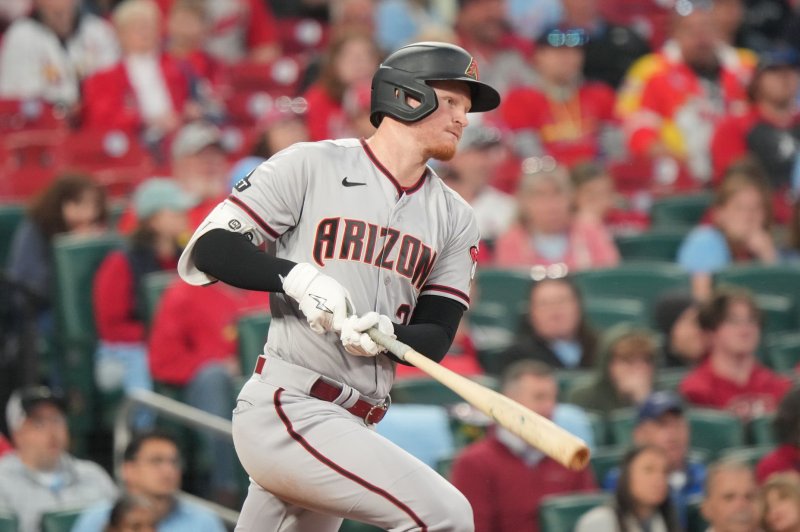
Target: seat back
61 521
605 459
8 522
252 331
714 431
680 210
560 513
605 312
777 280
762 431
783 352
507 290
428 391
354 526
657 245
153 287
11 214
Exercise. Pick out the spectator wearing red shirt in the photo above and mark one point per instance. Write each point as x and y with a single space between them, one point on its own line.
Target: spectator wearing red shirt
503 478
562 115
350 61
193 346
786 457
241 30
147 91
119 306
770 132
5 445
731 378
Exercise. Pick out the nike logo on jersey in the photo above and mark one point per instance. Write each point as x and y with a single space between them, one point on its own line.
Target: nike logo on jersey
347 183
321 303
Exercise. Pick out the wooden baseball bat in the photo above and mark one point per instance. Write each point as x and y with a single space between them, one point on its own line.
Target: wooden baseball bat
538 431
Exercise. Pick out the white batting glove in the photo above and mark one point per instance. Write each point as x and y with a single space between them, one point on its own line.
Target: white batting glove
321 298
356 341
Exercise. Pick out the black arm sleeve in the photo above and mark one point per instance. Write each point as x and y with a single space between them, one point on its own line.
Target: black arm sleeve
432 326
233 259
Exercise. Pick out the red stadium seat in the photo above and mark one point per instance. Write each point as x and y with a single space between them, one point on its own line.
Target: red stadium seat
28 161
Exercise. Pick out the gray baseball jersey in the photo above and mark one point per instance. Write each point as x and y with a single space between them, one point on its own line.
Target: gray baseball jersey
333 204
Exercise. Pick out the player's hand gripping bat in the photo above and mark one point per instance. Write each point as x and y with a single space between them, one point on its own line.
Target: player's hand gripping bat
536 430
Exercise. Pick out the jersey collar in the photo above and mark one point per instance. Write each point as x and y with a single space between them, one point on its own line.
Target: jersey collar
400 189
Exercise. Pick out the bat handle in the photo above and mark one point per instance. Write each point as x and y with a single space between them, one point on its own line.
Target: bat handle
395 346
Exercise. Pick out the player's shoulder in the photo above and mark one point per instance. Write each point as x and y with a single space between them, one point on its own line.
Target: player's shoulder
316 149
453 199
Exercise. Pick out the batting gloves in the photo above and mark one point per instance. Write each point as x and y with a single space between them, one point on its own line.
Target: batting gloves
354 338
321 298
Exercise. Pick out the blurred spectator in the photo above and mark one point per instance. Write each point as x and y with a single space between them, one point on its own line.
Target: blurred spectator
151 470
188 26
763 23
196 350
11 10
610 49
119 304
547 232
672 100
352 15
357 102
625 371
730 503
728 16
72 204
770 132
480 154
554 330
598 203
147 91
675 318
502 476
243 30
780 503
731 377
131 514
739 230
40 476
199 166
281 128
482 27
49 53
398 22
661 422
351 59
786 426
562 115
641 502
530 18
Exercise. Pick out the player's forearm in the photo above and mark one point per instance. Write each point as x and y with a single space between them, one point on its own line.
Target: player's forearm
433 326
232 259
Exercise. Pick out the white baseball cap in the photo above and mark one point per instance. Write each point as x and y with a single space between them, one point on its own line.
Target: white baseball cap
23 401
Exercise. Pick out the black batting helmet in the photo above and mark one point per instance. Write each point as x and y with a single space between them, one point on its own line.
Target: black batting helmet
406 71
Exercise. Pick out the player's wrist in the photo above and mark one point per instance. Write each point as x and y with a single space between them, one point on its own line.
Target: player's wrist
299 278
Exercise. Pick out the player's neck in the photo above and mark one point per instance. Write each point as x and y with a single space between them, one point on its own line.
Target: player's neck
399 153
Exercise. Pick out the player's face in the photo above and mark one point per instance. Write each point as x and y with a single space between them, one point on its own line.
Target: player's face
440 131
730 504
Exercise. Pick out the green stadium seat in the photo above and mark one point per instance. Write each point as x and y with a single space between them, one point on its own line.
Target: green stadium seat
779 313
749 455
604 459
599 428
8 522
154 285
714 431
355 526
783 351
507 291
670 378
694 515
680 210
762 431
560 513
252 331
621 422
60 521
76 260
644 281
778 280
11 214
658 244
605 312
569 379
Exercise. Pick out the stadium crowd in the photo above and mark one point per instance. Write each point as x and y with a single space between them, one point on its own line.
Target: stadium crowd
637 192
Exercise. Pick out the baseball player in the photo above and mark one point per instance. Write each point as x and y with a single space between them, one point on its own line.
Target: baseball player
365 235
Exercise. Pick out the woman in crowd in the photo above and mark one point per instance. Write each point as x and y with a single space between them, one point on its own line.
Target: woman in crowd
739 230
676 318
119 303
780 503
625 373
641 502
554 331
548 232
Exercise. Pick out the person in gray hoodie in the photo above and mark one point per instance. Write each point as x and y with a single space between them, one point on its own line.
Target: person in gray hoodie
40 476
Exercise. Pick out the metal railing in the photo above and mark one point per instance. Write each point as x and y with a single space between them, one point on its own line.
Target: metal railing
175 410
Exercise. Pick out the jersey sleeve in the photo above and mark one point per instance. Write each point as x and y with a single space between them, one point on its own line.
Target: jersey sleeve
454 269
262 206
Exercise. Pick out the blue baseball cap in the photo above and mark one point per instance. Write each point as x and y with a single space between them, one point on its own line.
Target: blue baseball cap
657 404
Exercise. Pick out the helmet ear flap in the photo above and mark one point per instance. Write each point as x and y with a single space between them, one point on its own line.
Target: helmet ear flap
391 89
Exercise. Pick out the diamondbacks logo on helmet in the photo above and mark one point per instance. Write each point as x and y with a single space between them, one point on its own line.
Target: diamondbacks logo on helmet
472 69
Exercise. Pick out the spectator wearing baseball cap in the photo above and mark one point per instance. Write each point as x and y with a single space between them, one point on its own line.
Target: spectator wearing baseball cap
119 308
561 115
40 476
661 422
